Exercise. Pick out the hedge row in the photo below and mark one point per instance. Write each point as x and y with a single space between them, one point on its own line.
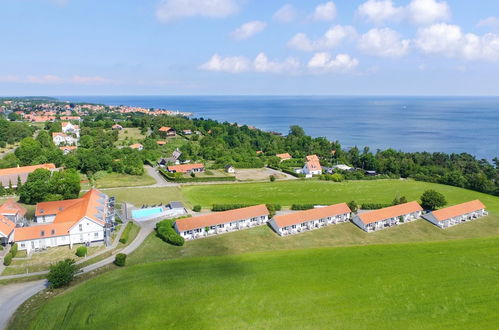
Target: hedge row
297 207
170 177
286 170
126 233
374 206
165 231
226 207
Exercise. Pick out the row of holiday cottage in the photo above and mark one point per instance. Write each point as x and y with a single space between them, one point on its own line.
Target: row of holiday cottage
297 222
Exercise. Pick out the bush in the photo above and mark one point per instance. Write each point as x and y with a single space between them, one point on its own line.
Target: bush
62 273
13 250
272 209
81 251
165 231
272 178
374 206
126 233
297 207
353 206
7 260
197 208
120 259
226 207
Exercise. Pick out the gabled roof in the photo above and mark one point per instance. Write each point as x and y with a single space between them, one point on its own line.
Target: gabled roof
284 156
11 207
165 129
309 215
136 146
389 212
456 210
35 232
161 143
217 218
6 226
184 167
25 169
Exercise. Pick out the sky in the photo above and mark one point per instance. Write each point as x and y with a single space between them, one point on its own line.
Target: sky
249 47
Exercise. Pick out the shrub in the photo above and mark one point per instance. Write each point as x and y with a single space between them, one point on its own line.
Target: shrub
62 273
272 209
165 231
126 233
197 208
120 259
7 260
298 207
374 206
81 251
353 206
272 178
432 200
13 250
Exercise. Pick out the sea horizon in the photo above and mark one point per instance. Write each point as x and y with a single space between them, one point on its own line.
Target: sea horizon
408 123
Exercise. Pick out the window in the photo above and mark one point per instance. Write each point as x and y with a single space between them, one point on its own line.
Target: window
42 233
96 235
52 232
80 227
23 245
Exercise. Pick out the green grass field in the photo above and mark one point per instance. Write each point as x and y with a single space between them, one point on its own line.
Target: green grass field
131 134
140 196
425 285
112 180
323 192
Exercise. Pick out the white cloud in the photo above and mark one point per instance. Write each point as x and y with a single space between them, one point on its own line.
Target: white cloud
285 14
428 11
261 63
171 10
450 41
491 22
419 12
333 37
383 42
249 29
325 12
379 11
232 64
324 62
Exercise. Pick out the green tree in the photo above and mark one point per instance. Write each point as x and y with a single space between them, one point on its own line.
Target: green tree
36 187
353 206
28 150
62 273
65 183
432 200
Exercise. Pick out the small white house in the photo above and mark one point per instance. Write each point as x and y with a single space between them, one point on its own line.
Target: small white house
61 138
222 222
312 166
388 216
319 217
69 128
6 230
230 169
454 215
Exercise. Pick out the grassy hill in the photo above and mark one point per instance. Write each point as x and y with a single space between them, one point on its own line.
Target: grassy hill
324 192
420 285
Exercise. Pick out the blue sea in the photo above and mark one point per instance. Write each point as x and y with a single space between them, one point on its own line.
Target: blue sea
446 124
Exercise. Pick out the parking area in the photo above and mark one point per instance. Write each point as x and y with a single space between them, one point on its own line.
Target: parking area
260 174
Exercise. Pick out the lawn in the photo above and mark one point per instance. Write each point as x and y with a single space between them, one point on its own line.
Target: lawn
113 180
130 134
150 196
323 192
421 285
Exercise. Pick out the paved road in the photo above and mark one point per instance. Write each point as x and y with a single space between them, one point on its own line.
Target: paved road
13 295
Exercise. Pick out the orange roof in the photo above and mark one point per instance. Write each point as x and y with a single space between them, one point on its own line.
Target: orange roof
54 134
184 168
68 148
389 212
35 232
313 214
312 158
258 152
11 207
90 205
25 169
459 209
161 142
6 226
221 217
165 129
284 156
136 146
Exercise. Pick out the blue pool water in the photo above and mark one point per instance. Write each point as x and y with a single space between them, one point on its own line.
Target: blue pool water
146 213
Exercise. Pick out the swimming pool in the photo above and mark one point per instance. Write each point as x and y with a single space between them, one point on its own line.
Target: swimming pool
146 213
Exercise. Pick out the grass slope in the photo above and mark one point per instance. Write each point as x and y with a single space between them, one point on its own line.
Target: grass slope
424 285
323 192
112 180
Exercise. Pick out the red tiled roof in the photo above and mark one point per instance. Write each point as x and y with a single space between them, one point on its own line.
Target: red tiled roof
161 142
389 212
35 232
284 156
165 129
11 207
6 226
136 146
25 169
217 218
313 214
456 210
184 168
